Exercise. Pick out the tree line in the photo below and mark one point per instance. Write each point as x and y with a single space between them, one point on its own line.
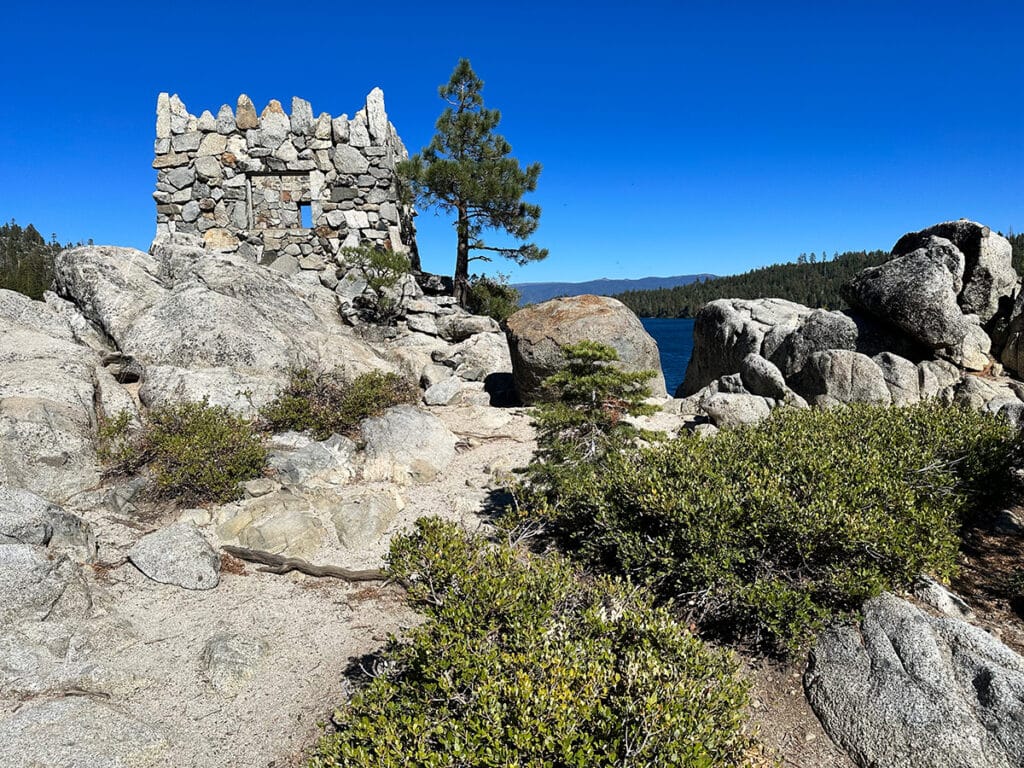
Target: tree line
812 281
26 259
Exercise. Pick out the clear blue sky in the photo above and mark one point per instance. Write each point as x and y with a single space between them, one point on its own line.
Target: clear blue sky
676 137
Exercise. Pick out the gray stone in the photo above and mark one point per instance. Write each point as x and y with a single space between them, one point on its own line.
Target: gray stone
361 519
727 330
225 120
760 377
404 443
901 377
339 129
35 587
208 168
178 115
422 324
281 522
82 732
908 690
358 133
348 159
443 392
285 264
178 555
207 122
537 334
28 519
230 660
989 276
179 178
916 293
459 327
302 116
326 462
212 144
190 211
818 331
186 142
163 116
376 117
731 410
839 376
47 395
934 376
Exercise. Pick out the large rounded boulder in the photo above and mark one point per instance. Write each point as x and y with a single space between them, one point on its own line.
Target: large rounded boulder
537 334
988 276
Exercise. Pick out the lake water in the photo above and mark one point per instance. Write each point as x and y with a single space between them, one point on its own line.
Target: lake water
675 344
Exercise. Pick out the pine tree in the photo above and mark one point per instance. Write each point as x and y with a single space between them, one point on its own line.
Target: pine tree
466 168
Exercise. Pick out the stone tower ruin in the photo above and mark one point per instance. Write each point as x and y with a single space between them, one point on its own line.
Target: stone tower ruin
277 186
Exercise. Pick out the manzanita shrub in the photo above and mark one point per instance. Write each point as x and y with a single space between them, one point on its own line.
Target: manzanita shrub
194 452
524 662
766 533
323 403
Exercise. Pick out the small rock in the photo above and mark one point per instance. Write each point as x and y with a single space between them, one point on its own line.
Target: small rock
230 660
178 555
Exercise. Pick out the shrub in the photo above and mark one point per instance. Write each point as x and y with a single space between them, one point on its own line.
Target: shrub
196 452
770 531
324 404
521 662
492 296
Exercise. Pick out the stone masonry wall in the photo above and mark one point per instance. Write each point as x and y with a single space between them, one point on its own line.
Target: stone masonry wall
276 186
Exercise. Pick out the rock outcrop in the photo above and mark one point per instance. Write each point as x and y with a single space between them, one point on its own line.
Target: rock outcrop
909 690
919 327
537 334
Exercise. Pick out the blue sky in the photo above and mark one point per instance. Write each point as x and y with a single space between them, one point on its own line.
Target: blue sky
675 137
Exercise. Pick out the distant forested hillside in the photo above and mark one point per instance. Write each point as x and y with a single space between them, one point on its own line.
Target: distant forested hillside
26 259
534 293
810 281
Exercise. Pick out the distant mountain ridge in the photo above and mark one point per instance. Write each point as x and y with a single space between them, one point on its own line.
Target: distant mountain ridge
532 293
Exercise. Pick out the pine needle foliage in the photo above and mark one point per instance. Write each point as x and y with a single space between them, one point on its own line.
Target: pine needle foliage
466 169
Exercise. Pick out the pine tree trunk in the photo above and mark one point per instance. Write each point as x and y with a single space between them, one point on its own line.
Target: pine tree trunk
462 259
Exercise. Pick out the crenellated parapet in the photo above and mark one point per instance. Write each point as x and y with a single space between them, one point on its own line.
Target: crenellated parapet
275 185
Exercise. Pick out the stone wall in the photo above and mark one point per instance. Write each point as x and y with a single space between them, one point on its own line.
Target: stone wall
284 187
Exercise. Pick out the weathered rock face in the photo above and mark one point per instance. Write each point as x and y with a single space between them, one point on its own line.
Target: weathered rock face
27 519
284 190
908 690
537 334
917 293
48 387
918 326
406 443
219 328
727 330
988 275
80 731
838 376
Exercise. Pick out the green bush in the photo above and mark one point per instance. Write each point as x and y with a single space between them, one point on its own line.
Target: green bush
324 404
492 296
196 452
770 531
520 662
